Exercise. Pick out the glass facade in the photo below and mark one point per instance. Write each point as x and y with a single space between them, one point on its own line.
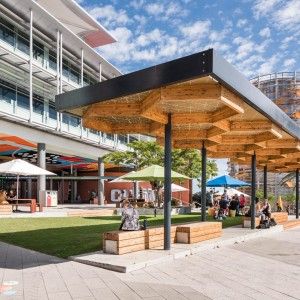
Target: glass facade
42 54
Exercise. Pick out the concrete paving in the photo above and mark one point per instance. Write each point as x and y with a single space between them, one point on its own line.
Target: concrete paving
138 260
261 268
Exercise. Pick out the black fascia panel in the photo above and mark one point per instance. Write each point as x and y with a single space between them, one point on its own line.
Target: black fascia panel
182 69
226 74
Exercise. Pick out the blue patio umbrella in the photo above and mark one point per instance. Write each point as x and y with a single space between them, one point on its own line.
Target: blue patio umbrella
226 181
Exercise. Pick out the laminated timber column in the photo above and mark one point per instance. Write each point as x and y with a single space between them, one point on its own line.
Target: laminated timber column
41 159
100 181
203 183
253 190
265 182
167 184
297 194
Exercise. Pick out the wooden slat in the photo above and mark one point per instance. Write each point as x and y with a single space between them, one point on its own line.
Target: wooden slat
191 118
250 125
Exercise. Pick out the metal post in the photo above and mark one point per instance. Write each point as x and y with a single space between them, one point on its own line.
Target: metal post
41 160
167 184
57 75
100 181
297 194
81 68
265 182
253 190
203 183
100 72
60 63
29 188
75 187
30 66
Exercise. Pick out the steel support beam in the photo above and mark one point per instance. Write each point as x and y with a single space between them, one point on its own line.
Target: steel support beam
41 160
203 182
58 114
81 68
297 194
265 182
100 72
167 184
101 197
253 189
30 65
29 188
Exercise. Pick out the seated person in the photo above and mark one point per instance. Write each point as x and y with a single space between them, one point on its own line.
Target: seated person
223 203
130 217
234 204
266 209
242 202
11 195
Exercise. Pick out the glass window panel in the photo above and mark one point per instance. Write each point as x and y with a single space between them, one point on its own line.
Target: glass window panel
52 60
7 94
23 99
75 74
38 51
74 121
110 136
122 138
65 118
7 33
23 42
52 112
38 106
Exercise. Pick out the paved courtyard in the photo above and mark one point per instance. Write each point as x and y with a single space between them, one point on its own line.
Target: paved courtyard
263 268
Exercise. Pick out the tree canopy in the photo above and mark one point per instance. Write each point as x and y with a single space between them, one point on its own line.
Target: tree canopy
142 154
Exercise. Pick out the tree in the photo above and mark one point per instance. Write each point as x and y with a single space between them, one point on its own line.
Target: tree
142 154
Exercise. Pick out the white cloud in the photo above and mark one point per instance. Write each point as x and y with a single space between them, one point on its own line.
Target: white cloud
288 17
241 23
263 7
136 4
196 30
289 63
109 16
265 32
269 66
154 9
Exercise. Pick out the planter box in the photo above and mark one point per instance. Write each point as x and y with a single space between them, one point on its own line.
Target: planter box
5 209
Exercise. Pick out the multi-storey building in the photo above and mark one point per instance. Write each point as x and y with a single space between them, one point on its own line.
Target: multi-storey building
47 47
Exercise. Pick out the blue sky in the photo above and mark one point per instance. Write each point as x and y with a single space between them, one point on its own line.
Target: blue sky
257 36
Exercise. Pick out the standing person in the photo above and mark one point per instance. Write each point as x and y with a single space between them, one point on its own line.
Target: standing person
130 217
266 209
210 198
233 206
279 204
242 202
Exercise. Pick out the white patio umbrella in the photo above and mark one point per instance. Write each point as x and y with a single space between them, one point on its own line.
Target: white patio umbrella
20 167
177 188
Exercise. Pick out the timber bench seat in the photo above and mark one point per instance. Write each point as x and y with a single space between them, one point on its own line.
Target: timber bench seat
198 232
155 237
280 217
31 203
247 222
121 242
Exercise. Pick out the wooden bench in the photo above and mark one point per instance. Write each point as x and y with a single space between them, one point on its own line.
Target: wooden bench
247 222
155 237
198 232
280 217
31 203
121 242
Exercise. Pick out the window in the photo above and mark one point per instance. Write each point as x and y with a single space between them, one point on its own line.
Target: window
132 138
7 33
7 94
22 99
65 68
38 106
52 60
74 121
38 51
122 138
23 42
110 136
75 74
52 112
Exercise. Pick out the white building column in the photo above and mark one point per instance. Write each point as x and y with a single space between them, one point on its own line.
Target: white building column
101 197
58 115
30 65
60 74
100 72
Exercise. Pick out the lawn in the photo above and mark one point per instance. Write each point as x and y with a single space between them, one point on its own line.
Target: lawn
68 236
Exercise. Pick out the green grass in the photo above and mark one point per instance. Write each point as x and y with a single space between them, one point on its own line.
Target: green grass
68 236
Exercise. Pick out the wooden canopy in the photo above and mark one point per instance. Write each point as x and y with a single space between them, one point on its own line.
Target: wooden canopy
209 102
